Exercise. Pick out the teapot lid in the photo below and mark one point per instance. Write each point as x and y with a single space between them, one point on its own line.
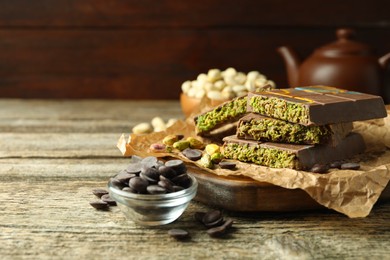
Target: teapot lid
345 45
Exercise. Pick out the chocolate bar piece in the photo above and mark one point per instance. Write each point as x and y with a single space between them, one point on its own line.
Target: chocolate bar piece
227 112
262 128
294 156
316 105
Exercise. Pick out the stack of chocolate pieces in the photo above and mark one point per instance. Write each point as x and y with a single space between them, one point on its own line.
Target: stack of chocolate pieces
298 127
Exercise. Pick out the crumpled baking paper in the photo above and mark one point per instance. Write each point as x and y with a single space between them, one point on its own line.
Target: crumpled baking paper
351 192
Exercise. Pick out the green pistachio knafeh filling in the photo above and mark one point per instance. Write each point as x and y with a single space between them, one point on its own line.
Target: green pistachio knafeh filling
275 130
224 113
279 108
261 156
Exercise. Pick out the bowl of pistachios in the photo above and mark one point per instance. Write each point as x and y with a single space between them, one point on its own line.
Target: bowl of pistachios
219 86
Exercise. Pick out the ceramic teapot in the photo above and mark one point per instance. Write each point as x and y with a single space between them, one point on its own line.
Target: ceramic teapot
345 63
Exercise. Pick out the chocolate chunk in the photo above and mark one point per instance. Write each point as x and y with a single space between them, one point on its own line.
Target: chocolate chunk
182 180
212 218
150 174
199 216
107 199
350 166
177 165
220 230
99 192
192 154
99 205
134 168
166 184
167 172
138 184
227 165
320 168
124 176
316 105
150 161
156 189
178 233
117 183
336 164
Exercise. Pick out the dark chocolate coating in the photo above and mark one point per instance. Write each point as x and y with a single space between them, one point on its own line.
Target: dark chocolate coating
328 105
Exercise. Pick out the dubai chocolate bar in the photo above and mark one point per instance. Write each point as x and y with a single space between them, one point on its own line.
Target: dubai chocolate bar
262 128
316 105
223 114
294 156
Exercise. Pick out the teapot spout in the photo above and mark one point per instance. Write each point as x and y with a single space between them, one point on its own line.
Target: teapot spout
292 62
384 60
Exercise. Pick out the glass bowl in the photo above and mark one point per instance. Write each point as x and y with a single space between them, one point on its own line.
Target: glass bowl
153 210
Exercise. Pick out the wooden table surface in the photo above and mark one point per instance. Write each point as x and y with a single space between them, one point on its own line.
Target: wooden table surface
53 153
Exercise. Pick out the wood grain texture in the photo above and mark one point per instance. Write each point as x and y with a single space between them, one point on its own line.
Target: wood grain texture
45 199
146 49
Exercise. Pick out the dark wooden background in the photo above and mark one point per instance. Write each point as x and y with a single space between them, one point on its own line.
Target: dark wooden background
145 49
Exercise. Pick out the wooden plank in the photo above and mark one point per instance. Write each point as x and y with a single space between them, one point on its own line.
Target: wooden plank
145 64
197 14
62 145
82 116
45 214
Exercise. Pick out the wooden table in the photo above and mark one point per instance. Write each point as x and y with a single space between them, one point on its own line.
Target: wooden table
53 153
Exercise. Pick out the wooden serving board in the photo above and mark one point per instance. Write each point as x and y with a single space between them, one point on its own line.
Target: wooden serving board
246 195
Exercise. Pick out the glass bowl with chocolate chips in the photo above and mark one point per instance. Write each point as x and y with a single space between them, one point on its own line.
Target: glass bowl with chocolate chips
151 192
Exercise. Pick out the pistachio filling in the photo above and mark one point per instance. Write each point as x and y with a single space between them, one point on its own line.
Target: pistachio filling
261 156
274 130
224 113
281 109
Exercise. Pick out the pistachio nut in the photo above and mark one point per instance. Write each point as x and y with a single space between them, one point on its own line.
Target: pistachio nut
212 148
181 145
195 143
205 161
171 139
217 157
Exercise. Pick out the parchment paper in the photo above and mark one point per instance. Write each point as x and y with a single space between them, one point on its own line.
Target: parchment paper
351 192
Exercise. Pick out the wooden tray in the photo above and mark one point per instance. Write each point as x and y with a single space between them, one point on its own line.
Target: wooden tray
244 194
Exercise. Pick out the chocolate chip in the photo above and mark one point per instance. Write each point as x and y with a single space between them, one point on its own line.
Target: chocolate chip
134 168
227 165
336 164
150 161
156 189
162 177
199 216
212 218
178 233
99 205
117 183
125 176
182 180
99 192
167 184
220 230
350 166
177 165
192 154
167 172
177 188
320 168
107 199
150 174
138 184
